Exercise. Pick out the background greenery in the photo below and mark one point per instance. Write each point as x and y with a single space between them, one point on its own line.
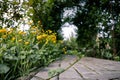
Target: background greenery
91 18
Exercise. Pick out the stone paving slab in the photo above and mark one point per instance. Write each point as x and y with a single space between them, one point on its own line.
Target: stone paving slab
70 74
104 69
86 68
64 63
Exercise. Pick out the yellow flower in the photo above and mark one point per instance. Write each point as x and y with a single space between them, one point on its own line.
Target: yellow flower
53 38
39 22
21 32
49 31
33 28
54 41
20 40
64 50
3 30
26 43
11 29
30 22
44 35
39 37
43 30
13 38
9 32
4 36
33 32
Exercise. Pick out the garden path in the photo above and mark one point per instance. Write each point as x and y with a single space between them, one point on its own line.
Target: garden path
86 68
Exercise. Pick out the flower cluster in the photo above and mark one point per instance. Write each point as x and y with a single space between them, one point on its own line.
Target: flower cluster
38 35
26 49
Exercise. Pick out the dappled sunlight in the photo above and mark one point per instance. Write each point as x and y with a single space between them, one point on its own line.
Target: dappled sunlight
69 31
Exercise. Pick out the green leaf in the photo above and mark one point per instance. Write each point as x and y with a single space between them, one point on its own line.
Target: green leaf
4 46
30 2
4 68
13 48
55 72
36 46
22 57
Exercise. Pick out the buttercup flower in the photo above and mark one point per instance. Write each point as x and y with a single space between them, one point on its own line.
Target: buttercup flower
22 32
13 38
20 40
3 30
26 43
49 31
4 36
39 37
44 35
53 38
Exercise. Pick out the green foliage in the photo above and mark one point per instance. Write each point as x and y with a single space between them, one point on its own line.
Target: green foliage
50 12
117 58
23 51
55 72
86 20
4 68
89 16
42 10
71 47
106 54
71 44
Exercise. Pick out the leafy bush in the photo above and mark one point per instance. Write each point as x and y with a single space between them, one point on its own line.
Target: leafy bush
24 51
71 44
71 47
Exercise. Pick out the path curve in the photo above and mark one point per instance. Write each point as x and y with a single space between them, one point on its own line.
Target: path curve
87 68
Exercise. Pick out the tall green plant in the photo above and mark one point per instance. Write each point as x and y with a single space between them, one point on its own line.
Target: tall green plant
23 51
